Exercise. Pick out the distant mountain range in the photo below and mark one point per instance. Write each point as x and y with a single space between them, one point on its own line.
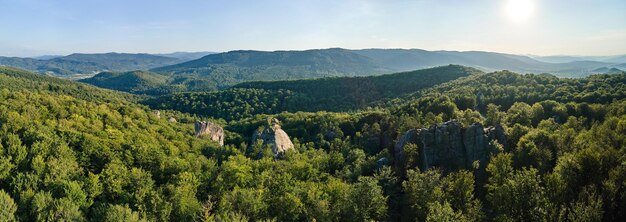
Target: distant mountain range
186 55
565 59
221 70
260 65
79 63
411 59
89 63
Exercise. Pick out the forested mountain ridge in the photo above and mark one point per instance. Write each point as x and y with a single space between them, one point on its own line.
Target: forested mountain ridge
329 62
326 94
74 64
230 68
150 83
136 82
18 79
263 65
505 88
403 59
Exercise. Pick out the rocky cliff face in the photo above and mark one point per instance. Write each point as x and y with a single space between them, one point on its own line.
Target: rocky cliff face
210 130
273 135
450 146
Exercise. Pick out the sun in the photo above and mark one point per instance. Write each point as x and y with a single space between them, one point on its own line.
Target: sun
519 10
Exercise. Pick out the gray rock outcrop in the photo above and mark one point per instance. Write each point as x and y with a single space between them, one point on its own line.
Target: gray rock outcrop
380 163
450 146
273 135
210 130
172 119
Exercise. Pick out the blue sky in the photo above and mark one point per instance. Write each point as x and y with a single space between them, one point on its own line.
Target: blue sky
551 27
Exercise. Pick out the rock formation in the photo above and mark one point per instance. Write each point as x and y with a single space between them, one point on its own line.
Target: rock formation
211 130
157 114
449 146
380 163
172 119
273 135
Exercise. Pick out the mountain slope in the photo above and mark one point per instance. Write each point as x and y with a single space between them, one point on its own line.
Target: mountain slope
226 69
121 61
89 63
137 82
149 83
402 59
186 56
326 94
504 88
17 79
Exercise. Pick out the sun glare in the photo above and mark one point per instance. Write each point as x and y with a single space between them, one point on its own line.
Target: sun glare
519 10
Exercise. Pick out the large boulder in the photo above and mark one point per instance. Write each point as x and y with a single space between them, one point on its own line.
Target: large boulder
172 119
210 130
450 146
273 135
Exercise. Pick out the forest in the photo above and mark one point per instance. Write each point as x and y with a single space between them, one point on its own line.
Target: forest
535 147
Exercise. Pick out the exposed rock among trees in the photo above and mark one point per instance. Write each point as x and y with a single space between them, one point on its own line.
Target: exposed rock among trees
210 130
450 146
380 163
157 114
273 135
172 119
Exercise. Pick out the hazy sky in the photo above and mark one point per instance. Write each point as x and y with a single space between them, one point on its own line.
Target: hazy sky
540 27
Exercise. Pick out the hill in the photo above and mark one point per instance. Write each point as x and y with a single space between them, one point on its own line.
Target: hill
402 59
17 79
137 82
186 56
226 69
326 94
504 88
149 83
89 63
120 61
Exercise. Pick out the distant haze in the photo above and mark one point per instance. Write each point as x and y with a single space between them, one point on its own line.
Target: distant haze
537 27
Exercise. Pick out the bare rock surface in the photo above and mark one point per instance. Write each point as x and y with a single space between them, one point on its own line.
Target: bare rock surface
451 146
211 130
273 135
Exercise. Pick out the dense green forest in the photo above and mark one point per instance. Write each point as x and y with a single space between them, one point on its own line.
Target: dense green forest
74 152
326 94
229 68
150 83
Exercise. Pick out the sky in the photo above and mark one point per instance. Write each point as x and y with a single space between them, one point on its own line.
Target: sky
530 27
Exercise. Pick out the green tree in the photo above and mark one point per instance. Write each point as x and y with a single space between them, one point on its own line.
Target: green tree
438 212
117 213
422 189
518 197
366 201
7 207
520 113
